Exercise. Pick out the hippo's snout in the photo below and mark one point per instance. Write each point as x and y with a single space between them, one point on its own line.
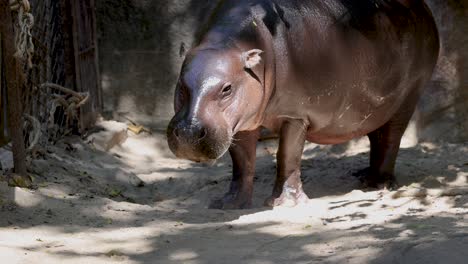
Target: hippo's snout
191 134
196 141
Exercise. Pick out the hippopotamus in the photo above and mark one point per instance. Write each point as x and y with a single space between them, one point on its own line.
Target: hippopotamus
320 71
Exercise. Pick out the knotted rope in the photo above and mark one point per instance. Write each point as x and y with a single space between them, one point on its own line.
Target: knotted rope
23 38
70 103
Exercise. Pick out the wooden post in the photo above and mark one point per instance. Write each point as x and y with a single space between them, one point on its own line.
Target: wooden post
86 59
3 136
69 51
14 81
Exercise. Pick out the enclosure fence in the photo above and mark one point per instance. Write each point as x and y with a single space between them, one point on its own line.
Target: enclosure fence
52 43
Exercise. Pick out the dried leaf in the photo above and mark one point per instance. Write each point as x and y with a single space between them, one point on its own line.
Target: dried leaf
113 253
16 180
135 129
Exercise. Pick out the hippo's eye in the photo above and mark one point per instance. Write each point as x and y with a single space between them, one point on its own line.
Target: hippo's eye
226 91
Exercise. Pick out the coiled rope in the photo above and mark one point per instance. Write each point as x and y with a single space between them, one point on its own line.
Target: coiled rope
23 38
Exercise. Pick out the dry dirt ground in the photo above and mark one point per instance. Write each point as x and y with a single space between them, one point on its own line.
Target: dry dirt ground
135 203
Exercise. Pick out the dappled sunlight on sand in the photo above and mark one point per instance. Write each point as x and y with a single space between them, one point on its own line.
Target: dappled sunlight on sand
136 204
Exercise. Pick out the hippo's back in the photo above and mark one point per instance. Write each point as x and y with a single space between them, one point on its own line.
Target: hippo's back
349 65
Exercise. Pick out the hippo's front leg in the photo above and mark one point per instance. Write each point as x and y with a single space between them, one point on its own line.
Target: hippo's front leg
243 155
288 186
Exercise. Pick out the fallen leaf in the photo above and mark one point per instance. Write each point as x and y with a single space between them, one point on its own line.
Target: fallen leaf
137 129
114 193
113 253
16 180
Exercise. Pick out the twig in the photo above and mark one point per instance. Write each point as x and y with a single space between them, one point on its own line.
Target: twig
62 89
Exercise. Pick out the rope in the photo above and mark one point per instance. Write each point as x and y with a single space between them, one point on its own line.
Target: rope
23 38
36 128
70 104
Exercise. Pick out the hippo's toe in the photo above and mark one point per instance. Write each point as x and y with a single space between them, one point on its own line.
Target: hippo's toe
288 199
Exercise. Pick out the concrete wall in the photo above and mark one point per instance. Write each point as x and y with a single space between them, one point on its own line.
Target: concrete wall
139 49
139 46
444 107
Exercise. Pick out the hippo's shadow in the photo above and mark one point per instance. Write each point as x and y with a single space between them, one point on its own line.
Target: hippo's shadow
330 170
327 171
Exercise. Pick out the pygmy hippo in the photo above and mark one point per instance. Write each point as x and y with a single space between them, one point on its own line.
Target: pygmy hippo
324 71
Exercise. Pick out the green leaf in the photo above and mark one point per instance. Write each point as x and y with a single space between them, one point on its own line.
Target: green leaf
114 193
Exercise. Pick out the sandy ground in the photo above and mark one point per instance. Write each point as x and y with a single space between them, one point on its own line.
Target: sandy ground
137 204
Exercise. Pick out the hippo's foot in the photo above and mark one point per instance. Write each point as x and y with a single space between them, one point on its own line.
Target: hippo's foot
371 179
231 201
290 197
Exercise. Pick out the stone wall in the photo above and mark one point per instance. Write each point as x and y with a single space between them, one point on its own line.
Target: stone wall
140 43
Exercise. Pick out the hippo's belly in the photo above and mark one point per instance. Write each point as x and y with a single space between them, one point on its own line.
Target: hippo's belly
345 127
333 116
353 116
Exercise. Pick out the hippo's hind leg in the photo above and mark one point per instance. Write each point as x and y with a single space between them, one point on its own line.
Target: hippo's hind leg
288 186
243 155
385 144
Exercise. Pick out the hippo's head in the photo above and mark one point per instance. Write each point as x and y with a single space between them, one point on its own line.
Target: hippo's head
218 94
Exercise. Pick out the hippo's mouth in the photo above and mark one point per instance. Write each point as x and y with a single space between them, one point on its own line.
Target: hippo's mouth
199 152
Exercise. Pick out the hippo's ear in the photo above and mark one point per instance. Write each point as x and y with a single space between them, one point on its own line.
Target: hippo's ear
251 58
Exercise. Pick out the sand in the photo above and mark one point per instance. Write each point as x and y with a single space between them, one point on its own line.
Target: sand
136 203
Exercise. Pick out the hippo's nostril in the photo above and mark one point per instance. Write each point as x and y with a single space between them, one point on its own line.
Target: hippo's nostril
189 134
